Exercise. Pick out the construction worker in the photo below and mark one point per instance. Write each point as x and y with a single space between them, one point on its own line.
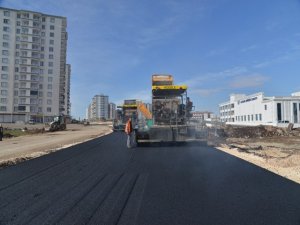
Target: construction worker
129 130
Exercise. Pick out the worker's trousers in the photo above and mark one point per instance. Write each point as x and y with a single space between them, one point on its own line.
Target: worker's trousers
129 140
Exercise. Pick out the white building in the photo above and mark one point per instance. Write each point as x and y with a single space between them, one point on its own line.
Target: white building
98 109
34 78
201 116
258 109
111 111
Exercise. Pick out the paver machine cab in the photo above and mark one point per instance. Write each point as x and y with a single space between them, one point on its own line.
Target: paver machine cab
171 112
59 123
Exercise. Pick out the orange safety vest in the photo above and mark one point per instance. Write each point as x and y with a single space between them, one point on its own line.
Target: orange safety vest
128 127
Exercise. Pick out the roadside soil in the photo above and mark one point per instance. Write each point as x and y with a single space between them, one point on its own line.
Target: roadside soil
280 155
17 149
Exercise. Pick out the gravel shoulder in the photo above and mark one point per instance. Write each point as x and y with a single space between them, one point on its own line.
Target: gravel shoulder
280 155
14 150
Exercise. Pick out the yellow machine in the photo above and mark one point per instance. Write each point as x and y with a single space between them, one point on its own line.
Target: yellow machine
171 112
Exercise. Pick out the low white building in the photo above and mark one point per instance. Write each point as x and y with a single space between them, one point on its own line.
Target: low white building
257 109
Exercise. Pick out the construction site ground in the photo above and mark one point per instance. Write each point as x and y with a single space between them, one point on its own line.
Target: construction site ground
278 154
18 149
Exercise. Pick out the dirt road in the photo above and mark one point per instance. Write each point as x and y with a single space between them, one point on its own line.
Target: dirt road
18 149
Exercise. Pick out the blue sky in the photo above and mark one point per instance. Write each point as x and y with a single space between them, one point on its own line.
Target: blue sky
216 47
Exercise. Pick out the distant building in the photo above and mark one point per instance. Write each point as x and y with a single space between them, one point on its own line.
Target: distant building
201 116
35 79
111 111
98 109
257 109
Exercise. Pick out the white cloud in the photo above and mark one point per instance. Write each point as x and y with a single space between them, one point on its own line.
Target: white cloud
248 81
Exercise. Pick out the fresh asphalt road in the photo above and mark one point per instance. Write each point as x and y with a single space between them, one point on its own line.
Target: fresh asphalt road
103 182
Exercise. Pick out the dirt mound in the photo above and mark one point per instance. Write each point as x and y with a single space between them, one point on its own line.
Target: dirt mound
256 132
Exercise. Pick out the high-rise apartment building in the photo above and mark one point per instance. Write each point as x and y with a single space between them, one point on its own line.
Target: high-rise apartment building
111 111
35 80
98 109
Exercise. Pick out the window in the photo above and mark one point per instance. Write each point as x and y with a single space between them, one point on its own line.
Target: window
50 56
25 15
4 76
16 101
23 77
244 118
266 107
6 29
18 31
6 13
279 116
41 79
5 44
6 21
33 101
42 56
4 84
3 100
40 94
49 102
17 46
41 63
49 86
3 92
295 112
43 19
16 85
18 15
23 93
50 64
24 53
5 68
252 117
42 48
41 71
36 17
21 108
23 85
18 38
51 34
51 27
50 49
52 20
51 42
25 22
5 52
18 23
43 34
25 30
16 77
3 108
43 27
4 60
24 61
260 117
42 41
48 109
50 79
40 86
5 37
49 94
50 71
16 93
